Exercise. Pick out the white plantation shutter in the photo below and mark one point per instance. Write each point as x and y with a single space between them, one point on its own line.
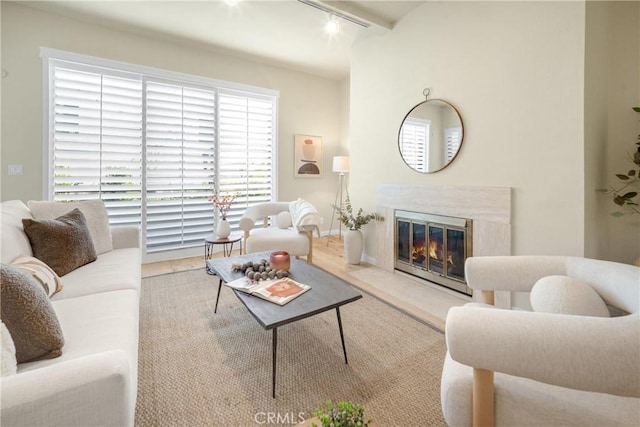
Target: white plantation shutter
156 145
453 138
180 165
414 143
97 140
245 151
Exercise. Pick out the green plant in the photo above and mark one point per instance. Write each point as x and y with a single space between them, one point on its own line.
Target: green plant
343 414
621 196
347 218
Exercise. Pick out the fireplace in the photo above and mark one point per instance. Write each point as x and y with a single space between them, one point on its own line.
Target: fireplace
433 247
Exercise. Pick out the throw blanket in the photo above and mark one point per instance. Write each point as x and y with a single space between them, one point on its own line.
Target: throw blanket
304 215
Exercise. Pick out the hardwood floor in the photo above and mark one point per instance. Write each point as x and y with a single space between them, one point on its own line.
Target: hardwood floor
413 296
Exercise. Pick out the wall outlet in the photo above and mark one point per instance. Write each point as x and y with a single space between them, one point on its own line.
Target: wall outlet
16 170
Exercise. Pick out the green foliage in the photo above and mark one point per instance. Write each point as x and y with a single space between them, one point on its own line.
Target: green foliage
621 196
347 218
343 414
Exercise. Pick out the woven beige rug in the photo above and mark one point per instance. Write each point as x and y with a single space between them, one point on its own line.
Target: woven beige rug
197 368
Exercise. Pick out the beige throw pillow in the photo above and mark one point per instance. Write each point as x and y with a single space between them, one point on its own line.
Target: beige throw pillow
94 211
41 273
29 316
566 295
64 243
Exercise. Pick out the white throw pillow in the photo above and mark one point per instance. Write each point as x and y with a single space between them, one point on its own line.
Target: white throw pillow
41 272
8 361
94 212
283 220
566 295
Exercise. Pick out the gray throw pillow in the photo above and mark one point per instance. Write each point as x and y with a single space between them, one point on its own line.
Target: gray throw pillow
64 243
29 316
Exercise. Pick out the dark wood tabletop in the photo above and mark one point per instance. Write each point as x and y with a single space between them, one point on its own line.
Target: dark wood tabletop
327 291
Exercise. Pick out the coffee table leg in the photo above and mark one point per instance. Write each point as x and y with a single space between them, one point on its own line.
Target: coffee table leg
344 349
273 367
215 310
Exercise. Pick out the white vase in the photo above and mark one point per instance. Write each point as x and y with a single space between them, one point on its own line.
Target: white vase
353 245
223 229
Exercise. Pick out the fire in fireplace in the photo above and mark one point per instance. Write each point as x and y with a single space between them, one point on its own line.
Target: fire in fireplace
433 247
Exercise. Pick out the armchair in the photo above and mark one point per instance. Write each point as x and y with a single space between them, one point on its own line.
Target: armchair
287 226
509 367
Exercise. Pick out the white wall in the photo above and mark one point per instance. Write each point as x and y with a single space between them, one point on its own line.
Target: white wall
515 71
622 235
596 107
308 104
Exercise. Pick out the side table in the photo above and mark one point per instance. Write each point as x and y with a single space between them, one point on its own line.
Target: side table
227 246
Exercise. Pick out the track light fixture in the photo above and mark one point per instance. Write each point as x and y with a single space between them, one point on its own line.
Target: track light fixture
334 13
332 26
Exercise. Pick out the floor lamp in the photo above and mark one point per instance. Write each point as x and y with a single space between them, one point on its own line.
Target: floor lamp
340 165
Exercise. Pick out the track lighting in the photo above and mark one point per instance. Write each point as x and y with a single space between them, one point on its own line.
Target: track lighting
332 26
333 14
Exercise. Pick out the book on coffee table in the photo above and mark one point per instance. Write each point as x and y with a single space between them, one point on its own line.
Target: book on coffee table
278 291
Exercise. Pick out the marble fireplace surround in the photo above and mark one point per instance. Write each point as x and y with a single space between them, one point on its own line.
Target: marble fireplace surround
488 207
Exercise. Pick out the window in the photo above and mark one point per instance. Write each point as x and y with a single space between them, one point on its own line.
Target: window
452 136
415 140
155 145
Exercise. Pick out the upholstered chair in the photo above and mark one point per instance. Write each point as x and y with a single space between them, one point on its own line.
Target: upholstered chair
561 364
286 226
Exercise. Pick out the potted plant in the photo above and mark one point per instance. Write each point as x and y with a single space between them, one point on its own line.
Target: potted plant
627 200
343 414
353 241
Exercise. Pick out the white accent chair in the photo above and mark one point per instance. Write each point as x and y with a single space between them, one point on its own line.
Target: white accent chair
523 368
286 226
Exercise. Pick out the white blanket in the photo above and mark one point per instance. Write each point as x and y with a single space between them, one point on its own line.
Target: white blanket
304 215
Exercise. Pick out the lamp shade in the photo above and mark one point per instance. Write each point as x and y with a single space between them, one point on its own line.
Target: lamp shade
341 164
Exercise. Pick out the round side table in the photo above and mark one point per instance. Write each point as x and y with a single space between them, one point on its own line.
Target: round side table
227 246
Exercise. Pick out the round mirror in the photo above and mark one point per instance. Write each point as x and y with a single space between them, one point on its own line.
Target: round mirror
430 136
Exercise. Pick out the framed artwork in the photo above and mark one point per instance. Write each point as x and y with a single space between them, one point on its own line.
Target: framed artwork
307 156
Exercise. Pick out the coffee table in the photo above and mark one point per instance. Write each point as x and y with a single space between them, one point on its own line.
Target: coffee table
327 292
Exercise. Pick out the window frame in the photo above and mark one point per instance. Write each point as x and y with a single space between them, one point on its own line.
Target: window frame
53 57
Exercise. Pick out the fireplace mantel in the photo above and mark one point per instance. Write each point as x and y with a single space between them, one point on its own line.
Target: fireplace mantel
488 207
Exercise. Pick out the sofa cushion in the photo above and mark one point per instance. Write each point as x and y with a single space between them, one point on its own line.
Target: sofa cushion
566 295
14 241
97 373
64 243
8 356
94 211
29 316
41 273
276 239
112 271
96 323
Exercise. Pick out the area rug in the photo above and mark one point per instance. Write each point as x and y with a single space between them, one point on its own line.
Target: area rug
199 368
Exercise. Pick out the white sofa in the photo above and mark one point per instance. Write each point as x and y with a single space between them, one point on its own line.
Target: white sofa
94 382
287 226
523 368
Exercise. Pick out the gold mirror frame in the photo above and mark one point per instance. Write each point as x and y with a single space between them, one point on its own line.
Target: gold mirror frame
430 135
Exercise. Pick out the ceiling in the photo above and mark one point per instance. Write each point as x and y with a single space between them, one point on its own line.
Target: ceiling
282 32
